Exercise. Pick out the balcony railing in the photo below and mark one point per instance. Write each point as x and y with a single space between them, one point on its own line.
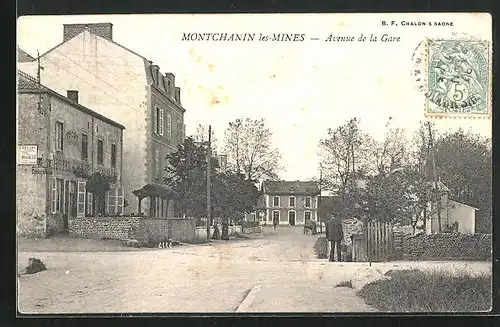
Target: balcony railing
79 167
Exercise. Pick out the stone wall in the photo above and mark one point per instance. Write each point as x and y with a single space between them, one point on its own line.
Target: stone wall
444 246
104 227
145 230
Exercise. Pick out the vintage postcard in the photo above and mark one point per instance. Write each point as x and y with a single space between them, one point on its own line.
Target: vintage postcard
245 163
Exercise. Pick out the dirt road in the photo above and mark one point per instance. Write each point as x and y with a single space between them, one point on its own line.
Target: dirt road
276 272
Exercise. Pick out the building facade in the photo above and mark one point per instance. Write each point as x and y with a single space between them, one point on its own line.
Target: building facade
126 87
60 145
289 202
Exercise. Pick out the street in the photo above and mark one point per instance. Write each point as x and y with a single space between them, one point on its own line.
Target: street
273 272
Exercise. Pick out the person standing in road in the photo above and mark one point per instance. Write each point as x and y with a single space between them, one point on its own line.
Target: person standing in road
275 222
335 235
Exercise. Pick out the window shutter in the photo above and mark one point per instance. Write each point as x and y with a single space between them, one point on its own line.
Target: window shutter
90 203
169 126
112 201
54 195
80 200
120 201
155 120
162 124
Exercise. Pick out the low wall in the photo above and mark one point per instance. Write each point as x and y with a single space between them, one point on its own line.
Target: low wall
118 228
145 230
444 246
154 230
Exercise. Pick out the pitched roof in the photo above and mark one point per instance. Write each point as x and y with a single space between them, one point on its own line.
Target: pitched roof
23 56
28 84
290 187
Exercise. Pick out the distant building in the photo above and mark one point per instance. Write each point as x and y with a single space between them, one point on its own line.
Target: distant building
290 202
60 144
126 87
221 160
454 214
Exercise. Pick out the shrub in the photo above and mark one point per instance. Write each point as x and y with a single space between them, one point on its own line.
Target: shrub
35 265
433 291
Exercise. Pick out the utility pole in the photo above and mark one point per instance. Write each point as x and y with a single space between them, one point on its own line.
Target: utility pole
436 186
319 198
39 81
209 170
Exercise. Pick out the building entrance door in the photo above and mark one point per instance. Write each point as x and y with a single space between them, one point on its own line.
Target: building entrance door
291 218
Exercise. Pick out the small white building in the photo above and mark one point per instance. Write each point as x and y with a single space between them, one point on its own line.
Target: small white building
452 212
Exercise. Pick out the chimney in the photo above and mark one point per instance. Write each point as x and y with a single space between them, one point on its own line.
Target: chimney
72 95
171 87
178 94
104 30
154 72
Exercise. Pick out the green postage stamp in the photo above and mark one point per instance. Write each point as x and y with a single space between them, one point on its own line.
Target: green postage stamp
455 76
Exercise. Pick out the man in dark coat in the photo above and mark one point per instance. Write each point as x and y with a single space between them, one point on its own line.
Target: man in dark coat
334 234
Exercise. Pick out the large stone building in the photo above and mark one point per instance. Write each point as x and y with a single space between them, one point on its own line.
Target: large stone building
126 87
289 202
60 145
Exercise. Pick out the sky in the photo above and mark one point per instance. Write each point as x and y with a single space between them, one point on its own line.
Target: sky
300 88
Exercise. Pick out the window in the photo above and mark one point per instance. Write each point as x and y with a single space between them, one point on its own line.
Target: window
169 127
158 121
100 151
179 131
291 201
161 123
307 215
276 201
308 201
113 155
85 147
57 195
59 136
80 199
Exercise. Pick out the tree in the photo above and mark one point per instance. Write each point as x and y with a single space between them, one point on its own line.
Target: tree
98 184
344 158
186 174
391 152
399 196
249 150
232 195
464 164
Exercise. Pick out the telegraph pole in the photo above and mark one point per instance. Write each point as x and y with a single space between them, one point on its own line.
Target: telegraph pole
209 171
436 186
319 198
39 81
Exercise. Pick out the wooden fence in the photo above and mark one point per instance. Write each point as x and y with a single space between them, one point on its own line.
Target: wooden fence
379 240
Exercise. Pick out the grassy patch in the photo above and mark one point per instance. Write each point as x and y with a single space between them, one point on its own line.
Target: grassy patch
433 291
320 248
345 283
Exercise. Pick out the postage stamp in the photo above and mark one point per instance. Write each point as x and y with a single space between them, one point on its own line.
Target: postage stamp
455 77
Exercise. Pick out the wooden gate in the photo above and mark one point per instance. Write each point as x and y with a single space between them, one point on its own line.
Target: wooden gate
379 241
